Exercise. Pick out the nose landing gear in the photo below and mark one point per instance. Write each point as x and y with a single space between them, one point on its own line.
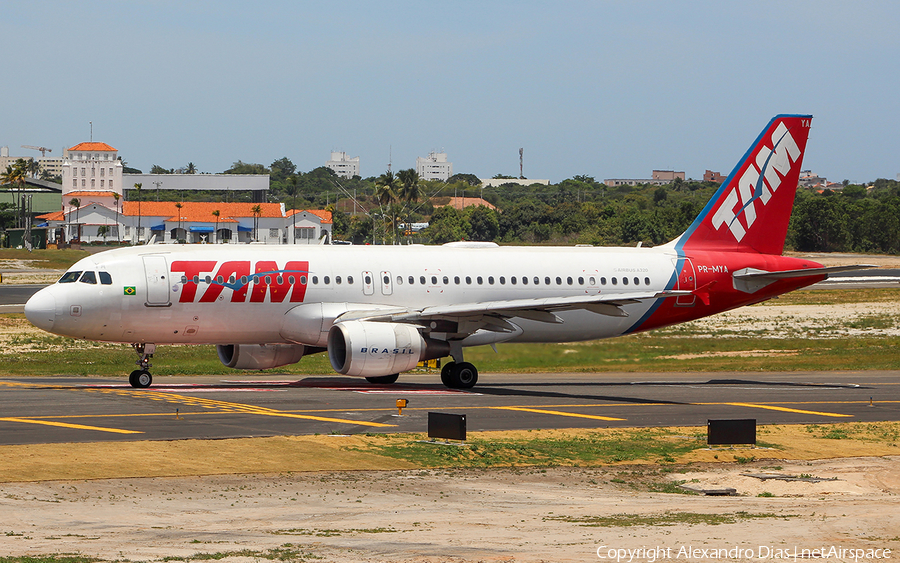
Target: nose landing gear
141 378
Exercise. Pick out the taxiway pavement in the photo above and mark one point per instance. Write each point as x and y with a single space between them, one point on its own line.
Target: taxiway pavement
69 409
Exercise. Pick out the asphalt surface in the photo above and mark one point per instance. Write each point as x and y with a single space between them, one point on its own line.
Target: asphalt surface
66 409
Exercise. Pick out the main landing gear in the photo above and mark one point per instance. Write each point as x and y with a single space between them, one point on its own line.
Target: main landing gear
462 375
141 378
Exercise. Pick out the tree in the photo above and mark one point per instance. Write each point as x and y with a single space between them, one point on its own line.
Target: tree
484 224
74 202
103 230
137 188
116 197
447 225
15 175
246 168
409 189
257 211
216 214
470 179
386 193
190 168
157 169
281 169
178 206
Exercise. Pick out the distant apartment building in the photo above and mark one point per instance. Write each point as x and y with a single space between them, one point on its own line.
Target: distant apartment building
809 180
434 167
710 176
52 166
660 178
343 166
6 160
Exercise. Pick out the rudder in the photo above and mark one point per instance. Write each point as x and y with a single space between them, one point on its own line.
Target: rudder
751 210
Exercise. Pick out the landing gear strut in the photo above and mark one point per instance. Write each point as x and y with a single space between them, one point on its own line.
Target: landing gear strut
141 378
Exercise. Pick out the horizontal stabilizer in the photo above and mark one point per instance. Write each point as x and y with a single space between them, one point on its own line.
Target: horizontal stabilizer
751 280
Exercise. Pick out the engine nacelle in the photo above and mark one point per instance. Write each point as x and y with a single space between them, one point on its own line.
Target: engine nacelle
260 356
373 349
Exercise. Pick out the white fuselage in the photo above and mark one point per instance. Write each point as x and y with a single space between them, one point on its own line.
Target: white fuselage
173 294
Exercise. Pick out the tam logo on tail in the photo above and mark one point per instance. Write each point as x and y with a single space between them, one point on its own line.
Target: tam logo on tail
760 191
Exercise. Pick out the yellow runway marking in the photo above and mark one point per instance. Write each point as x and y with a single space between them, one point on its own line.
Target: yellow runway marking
558 413
785 409
67 425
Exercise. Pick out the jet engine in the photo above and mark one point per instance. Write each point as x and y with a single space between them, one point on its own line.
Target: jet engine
373 349
261 356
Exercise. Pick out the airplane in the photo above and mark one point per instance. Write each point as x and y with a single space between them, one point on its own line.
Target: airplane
378 311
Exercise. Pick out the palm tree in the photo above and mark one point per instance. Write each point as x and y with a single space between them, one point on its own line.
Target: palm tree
178 206
190 168
15 176
409 189
137 188
386 193
216 215
116 197
74 202
257 211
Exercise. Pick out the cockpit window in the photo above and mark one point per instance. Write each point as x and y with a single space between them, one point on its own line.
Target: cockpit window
105 278
70 277
88 277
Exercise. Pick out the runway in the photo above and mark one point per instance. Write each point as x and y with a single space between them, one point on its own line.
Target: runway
67 409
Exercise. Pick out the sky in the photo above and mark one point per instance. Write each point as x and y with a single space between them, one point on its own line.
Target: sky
609 89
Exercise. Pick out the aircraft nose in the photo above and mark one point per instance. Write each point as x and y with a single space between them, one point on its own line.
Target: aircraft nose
40 309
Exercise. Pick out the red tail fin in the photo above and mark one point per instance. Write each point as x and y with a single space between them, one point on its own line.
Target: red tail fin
751 210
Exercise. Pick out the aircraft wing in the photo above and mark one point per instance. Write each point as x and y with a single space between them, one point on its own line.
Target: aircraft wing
542 310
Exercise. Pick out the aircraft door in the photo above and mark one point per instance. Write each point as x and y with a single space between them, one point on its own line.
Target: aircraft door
687 280
386 287
368 283
157 274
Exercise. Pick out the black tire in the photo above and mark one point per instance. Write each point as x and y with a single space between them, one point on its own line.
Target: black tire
384 379
445 374
465 375
140 379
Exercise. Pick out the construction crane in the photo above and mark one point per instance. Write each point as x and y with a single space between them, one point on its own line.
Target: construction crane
44 150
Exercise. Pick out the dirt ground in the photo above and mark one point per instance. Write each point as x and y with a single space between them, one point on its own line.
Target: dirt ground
310 497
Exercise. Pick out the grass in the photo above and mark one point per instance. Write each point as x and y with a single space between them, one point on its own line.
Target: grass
49 559
627 445
286 552
49 259
878 432
666 519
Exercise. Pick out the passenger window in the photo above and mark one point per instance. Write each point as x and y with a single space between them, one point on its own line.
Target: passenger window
646 281
624 281
615 281
106 279
433 280
468 280
315 280
580 281
480 280
569 280
446 280
491 280
302 280
422 280
231 279
183 279
387 280
537 280
456 280
196 279
219 279
70 277
244 280
208 279
337 280
637 281
88 277
558 280
268 280
512 280
399 280
326 280
524 280
603 281
350 280
412 280
502 280
592 280
547 280
368 280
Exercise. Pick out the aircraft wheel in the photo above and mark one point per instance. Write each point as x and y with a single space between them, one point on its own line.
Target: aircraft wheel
445 374
384 379
459 376
140 379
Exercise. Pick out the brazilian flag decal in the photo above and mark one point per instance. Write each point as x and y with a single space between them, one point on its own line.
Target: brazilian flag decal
130 290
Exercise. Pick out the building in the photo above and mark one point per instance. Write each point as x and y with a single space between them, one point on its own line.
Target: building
343 166
710 176
90 167
494 182
101 218
6 160
434 167
809 180
660 178
461 203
